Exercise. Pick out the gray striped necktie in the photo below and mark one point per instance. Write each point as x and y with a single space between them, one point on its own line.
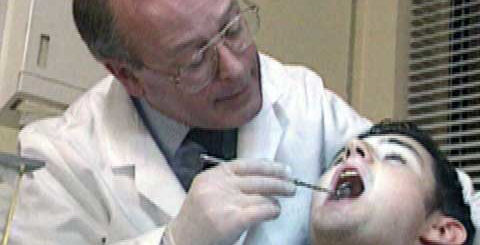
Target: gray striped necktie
221 144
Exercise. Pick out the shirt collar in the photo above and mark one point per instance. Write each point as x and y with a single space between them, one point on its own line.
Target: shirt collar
167 132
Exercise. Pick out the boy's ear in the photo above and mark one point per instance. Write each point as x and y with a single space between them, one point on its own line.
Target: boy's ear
125 75
442 229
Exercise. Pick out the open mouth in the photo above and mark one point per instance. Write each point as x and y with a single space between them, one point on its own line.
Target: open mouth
349 185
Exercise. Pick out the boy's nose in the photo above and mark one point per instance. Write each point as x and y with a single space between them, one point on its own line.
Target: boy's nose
358 150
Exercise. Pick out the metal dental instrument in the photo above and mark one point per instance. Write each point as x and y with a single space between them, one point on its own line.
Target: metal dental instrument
206 159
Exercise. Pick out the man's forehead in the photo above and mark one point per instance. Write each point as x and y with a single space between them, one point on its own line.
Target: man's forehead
160 12
204 17
171 23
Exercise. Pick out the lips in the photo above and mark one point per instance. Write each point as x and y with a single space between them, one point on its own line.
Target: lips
229 91
348 185
230 96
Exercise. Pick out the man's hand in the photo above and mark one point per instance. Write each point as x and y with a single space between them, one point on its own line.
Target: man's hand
226 200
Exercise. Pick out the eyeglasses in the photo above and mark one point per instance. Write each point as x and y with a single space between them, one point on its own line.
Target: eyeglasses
237 35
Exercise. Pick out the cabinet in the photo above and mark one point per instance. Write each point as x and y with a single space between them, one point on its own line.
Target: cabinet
44 65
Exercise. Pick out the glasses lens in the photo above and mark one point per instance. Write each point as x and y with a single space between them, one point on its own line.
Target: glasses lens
195 77
240 37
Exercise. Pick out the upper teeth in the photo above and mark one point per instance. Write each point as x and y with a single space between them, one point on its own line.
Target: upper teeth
349 173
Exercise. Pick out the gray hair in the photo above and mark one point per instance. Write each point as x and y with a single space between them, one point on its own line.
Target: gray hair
95 21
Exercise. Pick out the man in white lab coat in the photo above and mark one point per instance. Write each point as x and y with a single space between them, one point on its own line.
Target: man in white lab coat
113 172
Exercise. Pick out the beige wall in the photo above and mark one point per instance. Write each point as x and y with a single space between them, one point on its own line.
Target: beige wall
315 33
379 84
8 139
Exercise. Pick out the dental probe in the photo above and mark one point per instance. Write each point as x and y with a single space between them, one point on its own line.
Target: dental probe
216 161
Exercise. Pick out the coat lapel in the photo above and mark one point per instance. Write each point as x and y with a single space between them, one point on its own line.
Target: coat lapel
155 180
135 146
261 137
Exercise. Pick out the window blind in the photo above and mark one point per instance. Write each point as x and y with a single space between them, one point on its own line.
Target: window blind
444 78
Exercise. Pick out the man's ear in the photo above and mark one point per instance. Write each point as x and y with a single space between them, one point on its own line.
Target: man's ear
442 229
125 75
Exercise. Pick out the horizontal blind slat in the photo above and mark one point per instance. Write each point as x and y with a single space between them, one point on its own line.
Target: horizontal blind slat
446 33
446 21
443 101
464 157
476 180
440 124
443 78
444 67
442 11
456 134
415 95
443 113
443 55
446 44
424 4
460 146
471 169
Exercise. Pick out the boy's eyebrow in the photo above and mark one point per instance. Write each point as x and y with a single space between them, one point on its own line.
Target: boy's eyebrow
404 144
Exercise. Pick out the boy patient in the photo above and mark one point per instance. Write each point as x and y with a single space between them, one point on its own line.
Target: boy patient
391 186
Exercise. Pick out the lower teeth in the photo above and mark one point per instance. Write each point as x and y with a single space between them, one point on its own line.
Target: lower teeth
344 190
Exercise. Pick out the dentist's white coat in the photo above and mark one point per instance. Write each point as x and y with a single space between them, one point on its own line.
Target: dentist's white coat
107 182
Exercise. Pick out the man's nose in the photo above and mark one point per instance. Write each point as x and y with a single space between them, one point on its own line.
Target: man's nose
358 150
229 65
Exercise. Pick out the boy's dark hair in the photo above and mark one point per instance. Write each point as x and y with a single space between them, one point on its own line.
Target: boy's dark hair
448 196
